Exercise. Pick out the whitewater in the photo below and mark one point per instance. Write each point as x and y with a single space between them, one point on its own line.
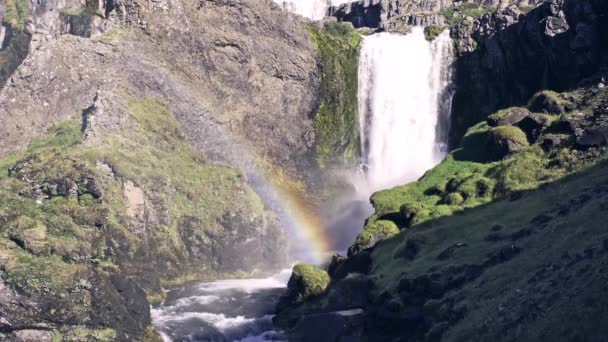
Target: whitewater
405 98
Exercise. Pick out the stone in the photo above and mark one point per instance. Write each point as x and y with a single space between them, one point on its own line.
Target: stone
328 327
594 136
510 116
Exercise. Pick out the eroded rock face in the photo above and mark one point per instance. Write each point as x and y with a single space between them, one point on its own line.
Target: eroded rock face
506 57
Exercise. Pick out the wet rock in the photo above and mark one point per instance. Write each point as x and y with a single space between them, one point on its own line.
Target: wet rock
594 136
357 263
328 327
349 293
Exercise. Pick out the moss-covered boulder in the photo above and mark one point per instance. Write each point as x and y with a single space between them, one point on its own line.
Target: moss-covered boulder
371 234
306 281
506 140
509 116
550 102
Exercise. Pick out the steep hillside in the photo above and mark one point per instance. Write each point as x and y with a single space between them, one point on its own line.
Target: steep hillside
503 240
528 267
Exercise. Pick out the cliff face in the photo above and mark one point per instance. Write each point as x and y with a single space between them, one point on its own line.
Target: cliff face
480 246
393 15
508 56
132 138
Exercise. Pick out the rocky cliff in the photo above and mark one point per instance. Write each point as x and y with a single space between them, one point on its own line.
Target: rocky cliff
508 56
134 140
480 247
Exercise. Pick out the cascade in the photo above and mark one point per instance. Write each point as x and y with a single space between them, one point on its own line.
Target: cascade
405 97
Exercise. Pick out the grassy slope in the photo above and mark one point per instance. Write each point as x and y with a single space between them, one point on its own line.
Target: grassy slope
552 290
53 247
471 176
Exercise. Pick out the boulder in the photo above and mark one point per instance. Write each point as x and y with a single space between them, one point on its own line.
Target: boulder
306 281
358 263
548 102
509 116
372 234
533 125
594 136
506 140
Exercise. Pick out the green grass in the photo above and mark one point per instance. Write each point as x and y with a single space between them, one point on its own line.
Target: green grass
48 247
508 284
336 120
17 13
457 14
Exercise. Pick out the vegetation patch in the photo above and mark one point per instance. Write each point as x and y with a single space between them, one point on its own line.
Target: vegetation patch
308 281
16 14
336 120
372 233
492 163
457 14
431 32
67 221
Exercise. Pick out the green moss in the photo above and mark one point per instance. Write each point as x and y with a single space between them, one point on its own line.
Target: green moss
114 35
470 177
510 133
454 199
550 102
457 14
17 13
150 335
432 32
312 281
376 231
90 7
564 235
336 120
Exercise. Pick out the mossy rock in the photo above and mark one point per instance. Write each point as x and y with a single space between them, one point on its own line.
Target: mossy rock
306 281
548 101
507 140
371 234
454 199
509 116
431 32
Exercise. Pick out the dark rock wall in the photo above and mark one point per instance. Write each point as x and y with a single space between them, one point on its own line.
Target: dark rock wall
506 57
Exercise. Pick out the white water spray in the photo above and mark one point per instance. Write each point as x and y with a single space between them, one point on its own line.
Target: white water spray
312 9
404 104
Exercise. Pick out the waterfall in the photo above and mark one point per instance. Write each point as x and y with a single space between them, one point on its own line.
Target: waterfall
312 9
405 97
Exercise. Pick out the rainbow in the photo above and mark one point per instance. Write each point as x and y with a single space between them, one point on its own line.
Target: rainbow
305 221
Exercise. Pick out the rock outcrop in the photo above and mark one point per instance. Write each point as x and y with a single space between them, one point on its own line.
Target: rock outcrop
508 56
135 133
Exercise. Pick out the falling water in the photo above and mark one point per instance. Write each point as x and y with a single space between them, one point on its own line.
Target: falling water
404 104
405 99
312 9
